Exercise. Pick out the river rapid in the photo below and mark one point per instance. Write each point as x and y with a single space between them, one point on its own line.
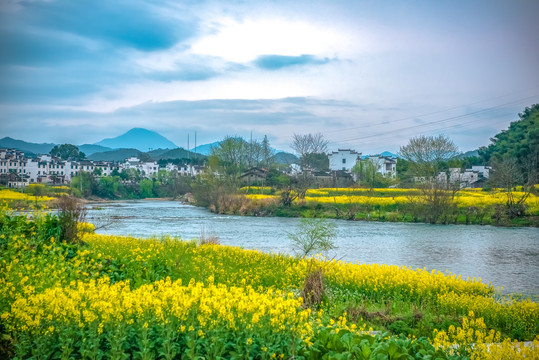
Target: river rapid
506 257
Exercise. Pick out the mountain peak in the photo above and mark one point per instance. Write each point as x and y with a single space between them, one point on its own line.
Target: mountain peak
140 139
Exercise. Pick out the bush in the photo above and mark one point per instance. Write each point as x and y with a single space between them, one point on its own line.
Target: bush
71 212
313 236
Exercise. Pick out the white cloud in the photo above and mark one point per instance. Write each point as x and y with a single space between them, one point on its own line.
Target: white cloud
245 41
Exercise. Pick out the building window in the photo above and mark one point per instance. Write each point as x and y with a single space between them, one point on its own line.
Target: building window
344 161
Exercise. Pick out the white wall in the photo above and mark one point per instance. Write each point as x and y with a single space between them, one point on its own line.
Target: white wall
343 159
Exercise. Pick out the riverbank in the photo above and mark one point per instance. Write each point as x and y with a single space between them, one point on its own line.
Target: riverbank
370 207
506 257
181 297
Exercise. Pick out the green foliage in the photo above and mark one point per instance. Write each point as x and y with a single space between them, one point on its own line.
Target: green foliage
313 236
208 190
367 174
329 344
67 152
84 184
45 190
146 188
234 155
130 185
108 187
316 161
71 212
520 142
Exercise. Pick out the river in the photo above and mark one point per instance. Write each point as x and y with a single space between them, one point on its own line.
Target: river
506 257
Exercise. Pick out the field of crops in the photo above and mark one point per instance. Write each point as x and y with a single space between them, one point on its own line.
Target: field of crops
466 206
121 297
391 197
10 195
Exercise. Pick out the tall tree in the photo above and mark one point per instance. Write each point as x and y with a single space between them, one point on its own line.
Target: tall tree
305 145
67 152
519 142
427 153
366 172
266 152
232 156
506 174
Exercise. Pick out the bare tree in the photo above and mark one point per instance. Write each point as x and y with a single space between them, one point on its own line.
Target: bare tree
305 145
507 175
309 144
426 153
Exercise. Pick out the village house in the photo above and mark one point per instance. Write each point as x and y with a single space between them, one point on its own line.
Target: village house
343 159
18 171
346 159
254 175
469 178
13 168
386 165
146 169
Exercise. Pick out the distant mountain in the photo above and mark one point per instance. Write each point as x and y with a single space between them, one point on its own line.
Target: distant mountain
205 149
467 154
284 158
25 147
115 155
89 149
155 154
140 139
179 153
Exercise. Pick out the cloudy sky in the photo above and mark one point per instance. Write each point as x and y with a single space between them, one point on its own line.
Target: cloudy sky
367 74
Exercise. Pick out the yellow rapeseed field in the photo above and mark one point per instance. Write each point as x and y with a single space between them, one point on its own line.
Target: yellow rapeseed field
8 195
119 296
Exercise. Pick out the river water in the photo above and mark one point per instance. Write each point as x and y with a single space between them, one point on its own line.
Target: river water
506 257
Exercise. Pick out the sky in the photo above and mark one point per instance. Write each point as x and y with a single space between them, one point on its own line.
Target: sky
368 75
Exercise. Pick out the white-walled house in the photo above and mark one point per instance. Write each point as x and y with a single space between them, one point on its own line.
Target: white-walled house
106 167
149 168
343 159
482 170
18 171
13 168
11 161
146 169
346 159
190 170
185 169
474 177
387 166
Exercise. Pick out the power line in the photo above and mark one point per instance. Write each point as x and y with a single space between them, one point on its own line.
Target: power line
426 114
453 118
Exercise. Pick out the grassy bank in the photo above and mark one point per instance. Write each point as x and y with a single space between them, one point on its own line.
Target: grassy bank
467 206
118 297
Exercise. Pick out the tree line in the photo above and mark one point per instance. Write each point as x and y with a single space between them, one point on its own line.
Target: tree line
513 155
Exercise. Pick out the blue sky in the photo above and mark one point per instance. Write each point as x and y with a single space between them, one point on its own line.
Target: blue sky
369 75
